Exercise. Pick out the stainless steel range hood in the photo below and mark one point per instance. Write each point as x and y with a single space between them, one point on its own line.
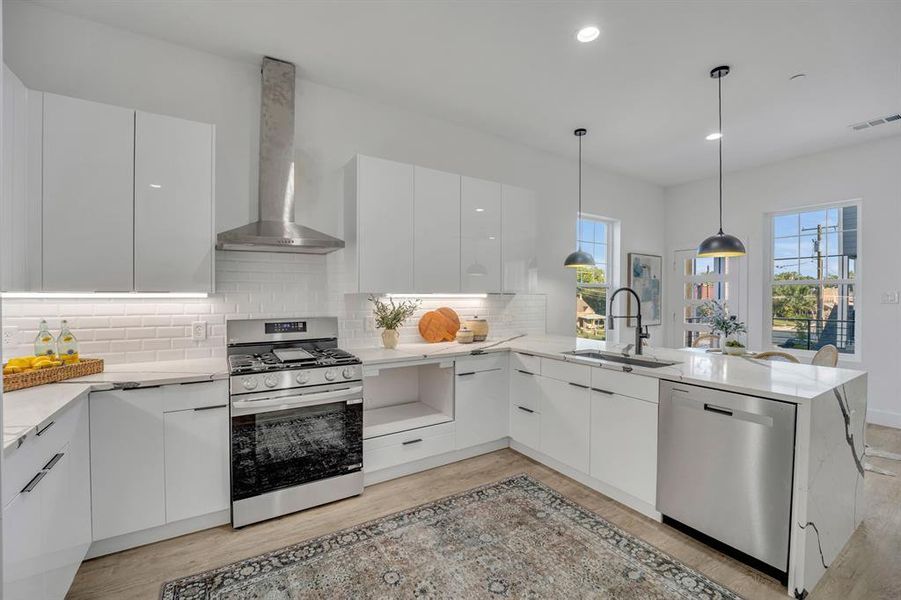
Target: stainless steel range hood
276 230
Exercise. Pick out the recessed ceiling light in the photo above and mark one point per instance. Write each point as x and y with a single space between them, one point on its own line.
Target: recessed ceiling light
712 137
588 34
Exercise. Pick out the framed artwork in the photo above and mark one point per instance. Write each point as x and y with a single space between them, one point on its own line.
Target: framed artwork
646 278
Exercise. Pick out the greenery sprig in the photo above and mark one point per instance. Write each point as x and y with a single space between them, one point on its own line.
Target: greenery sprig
389 315
714 313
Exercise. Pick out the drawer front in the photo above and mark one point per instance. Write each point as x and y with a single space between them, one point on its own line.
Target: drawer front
525 427
626 384
399 448
525 362
525 390
489 362
565 371
187 396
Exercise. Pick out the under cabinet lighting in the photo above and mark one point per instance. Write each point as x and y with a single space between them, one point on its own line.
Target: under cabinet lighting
436 295
99 295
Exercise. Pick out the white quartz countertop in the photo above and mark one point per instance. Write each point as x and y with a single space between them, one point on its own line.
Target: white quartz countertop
770 379
27 411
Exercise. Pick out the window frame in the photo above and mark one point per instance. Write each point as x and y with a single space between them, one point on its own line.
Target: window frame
856 282
610 258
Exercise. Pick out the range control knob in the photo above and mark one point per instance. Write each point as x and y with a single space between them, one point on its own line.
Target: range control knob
271 381
330 375
302 377
348 373
249 383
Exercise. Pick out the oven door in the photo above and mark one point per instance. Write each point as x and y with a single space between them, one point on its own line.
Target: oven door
283 440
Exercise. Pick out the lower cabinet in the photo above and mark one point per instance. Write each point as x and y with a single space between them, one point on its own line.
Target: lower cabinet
47 524
624 444
565 422
481 400
404 447
151 466
525 401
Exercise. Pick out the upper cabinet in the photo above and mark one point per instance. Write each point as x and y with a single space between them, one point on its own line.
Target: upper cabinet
173 205
519 232
88 196
436 231
480 233
409 229
99 198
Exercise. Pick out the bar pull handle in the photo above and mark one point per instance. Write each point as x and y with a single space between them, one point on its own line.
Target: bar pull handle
56 458
34 482
408 442
599 390
465 374
525 372
717 409
215 406
46 427
578 385
524 409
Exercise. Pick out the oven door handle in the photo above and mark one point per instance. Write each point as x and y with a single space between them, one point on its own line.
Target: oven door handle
348 394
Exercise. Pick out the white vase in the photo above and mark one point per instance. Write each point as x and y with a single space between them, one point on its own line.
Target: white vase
389 338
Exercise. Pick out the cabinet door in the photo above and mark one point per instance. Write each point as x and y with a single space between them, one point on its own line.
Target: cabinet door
519 226
197 450
385 225
23 565
127 464
88 196
525 398
436 241
481 407
173 190
565 422
480 235
623 426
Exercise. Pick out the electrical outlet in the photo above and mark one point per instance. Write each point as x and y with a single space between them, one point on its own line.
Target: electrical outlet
198 330
890 297
10 336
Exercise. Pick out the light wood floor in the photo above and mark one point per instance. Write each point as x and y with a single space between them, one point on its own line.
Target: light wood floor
870 567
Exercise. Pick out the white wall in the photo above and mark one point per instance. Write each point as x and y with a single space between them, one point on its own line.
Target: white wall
66 55
870 172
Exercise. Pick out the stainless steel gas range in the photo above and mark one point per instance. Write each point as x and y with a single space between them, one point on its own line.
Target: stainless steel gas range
296 417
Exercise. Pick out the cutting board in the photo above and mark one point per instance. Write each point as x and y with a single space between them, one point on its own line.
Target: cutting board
439 325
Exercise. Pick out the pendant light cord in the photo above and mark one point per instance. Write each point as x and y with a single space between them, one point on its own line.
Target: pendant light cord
719 85
579 216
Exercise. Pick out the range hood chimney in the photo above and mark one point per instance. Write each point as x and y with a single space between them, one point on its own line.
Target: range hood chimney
276 230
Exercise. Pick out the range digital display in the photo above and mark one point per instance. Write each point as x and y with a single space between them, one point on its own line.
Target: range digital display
286 327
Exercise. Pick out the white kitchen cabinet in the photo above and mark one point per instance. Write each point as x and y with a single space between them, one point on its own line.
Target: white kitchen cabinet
88 196
525 402
173 204
624 444
127 461
565 413
519 236
378 225
481 408
197 468
480 235
436 231
23 569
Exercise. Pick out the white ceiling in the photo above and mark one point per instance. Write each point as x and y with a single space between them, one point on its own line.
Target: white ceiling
514 68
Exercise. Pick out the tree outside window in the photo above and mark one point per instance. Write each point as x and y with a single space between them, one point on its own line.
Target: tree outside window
592 283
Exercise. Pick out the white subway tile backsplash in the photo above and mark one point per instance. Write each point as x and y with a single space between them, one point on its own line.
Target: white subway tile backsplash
249 285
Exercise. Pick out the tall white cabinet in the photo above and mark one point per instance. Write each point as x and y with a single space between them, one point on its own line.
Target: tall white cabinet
88 196
480 231
436 231
519 233
173 204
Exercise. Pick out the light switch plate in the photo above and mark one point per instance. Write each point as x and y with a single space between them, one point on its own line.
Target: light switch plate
10 336
198 330
890 297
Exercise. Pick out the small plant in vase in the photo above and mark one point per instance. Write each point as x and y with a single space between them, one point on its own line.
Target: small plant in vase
725 325
389 316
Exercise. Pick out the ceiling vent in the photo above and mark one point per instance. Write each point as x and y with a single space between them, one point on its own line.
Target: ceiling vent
875 122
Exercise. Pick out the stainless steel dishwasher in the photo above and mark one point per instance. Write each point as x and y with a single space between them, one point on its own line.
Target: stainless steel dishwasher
724 469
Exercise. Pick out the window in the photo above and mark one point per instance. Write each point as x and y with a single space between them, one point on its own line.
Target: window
592 283
702 280
813 284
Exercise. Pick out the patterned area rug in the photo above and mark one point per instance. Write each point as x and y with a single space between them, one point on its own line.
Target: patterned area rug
515 538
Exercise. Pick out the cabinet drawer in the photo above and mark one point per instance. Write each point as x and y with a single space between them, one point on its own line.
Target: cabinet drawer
525 362
626 384
490 362
525 427
564 371
399 448
525 390
187 396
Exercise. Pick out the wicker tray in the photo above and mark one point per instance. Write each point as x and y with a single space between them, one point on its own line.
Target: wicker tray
19 381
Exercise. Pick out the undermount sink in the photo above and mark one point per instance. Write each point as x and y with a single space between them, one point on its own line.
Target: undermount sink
650 363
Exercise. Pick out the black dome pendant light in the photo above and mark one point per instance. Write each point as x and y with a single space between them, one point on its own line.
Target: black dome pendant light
721 245
579 259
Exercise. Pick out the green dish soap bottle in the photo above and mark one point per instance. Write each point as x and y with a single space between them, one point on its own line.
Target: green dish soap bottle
44 344
67 345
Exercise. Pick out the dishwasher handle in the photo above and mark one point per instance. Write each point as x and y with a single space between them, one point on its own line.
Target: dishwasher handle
717 409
